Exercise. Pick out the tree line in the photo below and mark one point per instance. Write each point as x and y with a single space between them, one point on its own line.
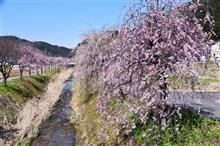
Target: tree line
24 55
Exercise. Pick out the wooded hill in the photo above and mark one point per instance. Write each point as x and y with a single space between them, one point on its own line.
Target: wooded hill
49 49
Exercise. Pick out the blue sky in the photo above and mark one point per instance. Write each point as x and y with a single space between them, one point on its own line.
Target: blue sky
59 22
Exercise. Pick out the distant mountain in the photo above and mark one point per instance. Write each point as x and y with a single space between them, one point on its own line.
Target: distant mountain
49 49
52 50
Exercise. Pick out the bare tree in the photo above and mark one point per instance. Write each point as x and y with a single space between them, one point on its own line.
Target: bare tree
9 55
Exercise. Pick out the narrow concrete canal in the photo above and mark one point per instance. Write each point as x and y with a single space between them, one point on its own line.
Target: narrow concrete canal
57 130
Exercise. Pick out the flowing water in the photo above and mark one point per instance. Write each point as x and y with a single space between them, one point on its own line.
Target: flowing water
57 130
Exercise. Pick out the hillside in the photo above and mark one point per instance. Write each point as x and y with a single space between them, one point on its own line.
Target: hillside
51 50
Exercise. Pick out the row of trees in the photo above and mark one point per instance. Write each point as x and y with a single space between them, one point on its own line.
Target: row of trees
131 69
24 55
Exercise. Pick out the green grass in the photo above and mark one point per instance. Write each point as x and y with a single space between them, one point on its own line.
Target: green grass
27 88
18 92
24 142
209 81
86 119
195 130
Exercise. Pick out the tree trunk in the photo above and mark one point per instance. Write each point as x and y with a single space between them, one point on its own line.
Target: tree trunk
21 68
5 80
21 74
42 70
29 70
6 74
205 66
37 70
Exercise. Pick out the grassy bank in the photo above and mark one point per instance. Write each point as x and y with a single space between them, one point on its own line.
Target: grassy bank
85 118
193 130
18 92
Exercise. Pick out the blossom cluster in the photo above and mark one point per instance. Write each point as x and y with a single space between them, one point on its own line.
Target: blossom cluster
158 40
